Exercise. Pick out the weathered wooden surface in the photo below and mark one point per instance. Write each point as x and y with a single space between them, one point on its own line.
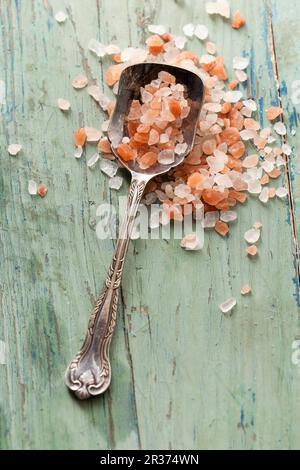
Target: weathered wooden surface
184 376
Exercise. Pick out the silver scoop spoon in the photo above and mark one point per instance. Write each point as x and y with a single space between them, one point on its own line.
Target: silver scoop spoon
89 373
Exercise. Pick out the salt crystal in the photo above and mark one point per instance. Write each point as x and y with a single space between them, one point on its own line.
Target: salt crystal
247 112
115 182
210 219
240 63
207 59
201 32
78 152
181 148
250 162
125 140
250 104
61 16
247 134
79 82
228 305
63 104
287 150
252 236
159 29
105 125
241 76
182 190
180 41
223 8
211 48
92 134
93 160
164 138
14 149
188 30
264 195
257 225
213 107
245 290
280 128
166 157
32 187
228 216
281 192
108 167
97 48
191 242
211 8
112 49
233 96
252 250
254 187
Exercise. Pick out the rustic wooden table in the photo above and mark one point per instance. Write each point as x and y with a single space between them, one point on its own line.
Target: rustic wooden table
184 376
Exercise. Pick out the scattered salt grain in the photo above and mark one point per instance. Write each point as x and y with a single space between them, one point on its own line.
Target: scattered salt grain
42 190
64 105
14 149
250 104
105 125
92 134
287 150
241 76
32 187
207 59
250 162
201 32
79 82
245 290
252 236
228 305
115 182
240 63
191 242
61 16
189 30
264 195
159 29
254 187
281 192
220 7
211 48
181 148
93 160
108 167
252 250
280 128
228 216
112 49
78 152
180 42
97 48
257 225
233 96
210 219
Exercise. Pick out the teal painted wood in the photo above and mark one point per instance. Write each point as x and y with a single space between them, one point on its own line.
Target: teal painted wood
184 376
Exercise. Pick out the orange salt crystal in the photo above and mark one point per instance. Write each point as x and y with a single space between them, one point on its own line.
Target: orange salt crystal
226 108
221 228
212 197
42 190
143 129
251 124
272 193
166 77
264 180
167 37
236 119
117 58
223 206
252 250
187 55
195 180
147 160
104 145
155 44
233 85
80 137
238 196
209 146
126 152
238 20
113 73
275 173
237 150
234 164
174 107
141 138
274 112
230 136
132 127
218 69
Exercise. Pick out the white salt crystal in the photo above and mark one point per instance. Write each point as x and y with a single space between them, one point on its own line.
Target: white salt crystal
247 134
159 29
92 134
247 112
188 30
250 162
210 219
280 128
93 160
233 96
164 138
182 190
97 47
228 305
78 152
111 49
108 167
180 148
264 195
61 16
254 187
63 104
32 187
201 32
14 149
191 242
207 59
212 107
211 8
252 236
125 140
287 150
115 182
250 104
80 81
180 41
105 125
281 192
166 157
240 63
211 48
223 8
133 54
241 76
228 216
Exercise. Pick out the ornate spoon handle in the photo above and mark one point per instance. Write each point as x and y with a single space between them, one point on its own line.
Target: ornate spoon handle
89 373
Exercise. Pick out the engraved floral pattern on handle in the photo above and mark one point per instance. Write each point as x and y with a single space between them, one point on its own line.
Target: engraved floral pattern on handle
89 373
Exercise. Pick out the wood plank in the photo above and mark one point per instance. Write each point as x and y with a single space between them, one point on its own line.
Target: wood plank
184 376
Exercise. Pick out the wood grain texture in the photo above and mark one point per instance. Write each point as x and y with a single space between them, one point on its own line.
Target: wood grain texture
184 376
